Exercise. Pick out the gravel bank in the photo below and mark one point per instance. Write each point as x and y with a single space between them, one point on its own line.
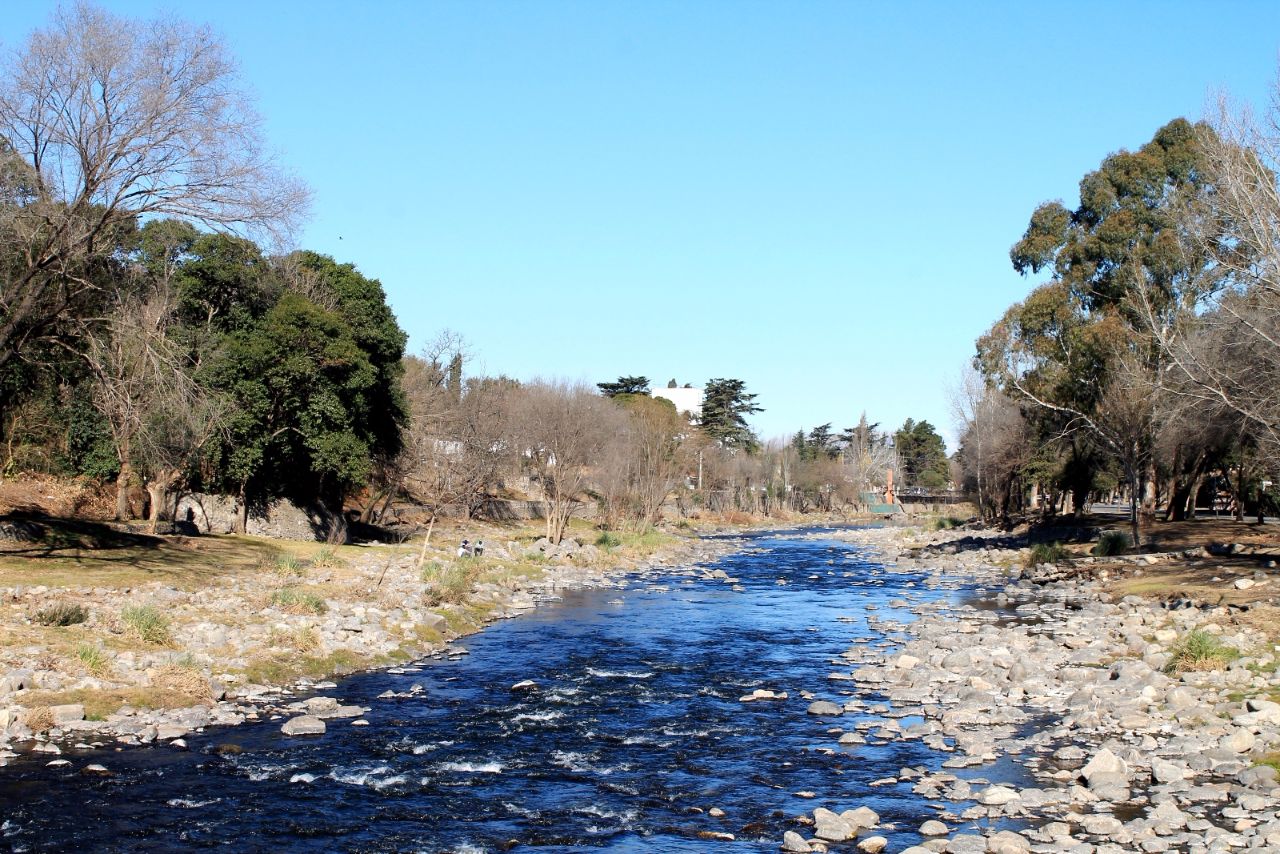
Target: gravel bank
1132 743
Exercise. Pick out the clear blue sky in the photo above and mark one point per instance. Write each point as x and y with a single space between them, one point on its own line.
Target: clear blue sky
816 198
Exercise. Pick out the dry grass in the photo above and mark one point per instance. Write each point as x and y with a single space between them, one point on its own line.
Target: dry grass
182 680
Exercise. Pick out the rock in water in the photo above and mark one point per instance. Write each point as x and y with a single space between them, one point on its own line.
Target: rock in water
830 826
303 725
794 843
825 707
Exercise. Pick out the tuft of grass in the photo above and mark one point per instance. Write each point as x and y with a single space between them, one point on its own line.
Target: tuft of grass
289 566
946 523
447 583
1047 553
303 639
93 658
297 601
147 623
607 540
61 614
1199 650
1112 543
327 556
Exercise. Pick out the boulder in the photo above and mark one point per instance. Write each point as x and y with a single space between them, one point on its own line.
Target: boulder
863 818
824 707
995 796
303 725
873 844
1239 741
1103 762
794 843
831 827
933 827
67 713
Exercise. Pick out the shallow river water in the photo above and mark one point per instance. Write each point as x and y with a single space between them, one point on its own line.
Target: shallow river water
634 733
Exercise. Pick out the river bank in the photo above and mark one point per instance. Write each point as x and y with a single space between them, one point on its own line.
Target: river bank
138 661
1146 725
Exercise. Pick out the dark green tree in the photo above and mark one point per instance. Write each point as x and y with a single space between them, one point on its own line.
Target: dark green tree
625 385
725 405
923 455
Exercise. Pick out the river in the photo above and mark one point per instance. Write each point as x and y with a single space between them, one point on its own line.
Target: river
634 733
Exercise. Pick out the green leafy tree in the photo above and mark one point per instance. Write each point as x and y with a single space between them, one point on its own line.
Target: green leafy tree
1080 347
923 455
725 405
625 385
309 415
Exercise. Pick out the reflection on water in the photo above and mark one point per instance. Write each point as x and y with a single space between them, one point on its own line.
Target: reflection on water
634 732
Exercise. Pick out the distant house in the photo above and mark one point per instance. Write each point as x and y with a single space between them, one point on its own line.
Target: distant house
688 401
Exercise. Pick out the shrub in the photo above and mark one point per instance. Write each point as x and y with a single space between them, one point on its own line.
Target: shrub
297 601
946 523
607 540
93 658
289 565
1111 543
61 614
447 583
147 623
1047 553
327 556
1199 650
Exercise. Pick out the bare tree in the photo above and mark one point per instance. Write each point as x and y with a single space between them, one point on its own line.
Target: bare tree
104 120
562 430
159 417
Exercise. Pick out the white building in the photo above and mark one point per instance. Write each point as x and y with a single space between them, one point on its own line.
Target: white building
686 400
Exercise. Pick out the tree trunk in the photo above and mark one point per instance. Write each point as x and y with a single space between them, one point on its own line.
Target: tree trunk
241 524
1134 489
159 494
123 481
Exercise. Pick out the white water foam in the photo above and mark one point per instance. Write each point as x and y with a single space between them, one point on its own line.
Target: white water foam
302 778
189 804
537 717
620 674
357 775
472 767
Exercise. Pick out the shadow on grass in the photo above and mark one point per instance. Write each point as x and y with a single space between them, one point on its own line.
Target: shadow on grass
30 533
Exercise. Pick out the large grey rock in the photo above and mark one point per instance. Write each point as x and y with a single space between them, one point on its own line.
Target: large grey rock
1239 741
794 843
831 827
1104 762
863 818
824 707
67 713
303 725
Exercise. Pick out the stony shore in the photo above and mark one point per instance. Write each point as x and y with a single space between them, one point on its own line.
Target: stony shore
220 641
1121 739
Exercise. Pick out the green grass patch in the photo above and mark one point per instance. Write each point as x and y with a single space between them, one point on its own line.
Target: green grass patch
295 600
289 566
1047 553
147 623
448 583
1112 543
61 614
93 658
1199 650
946 523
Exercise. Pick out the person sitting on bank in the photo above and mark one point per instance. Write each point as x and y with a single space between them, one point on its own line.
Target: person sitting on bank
465 549
478 549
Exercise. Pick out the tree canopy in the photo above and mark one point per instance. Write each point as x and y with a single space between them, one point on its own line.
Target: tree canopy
725 405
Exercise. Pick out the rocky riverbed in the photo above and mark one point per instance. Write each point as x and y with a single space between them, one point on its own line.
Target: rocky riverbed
1145 726
367 611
